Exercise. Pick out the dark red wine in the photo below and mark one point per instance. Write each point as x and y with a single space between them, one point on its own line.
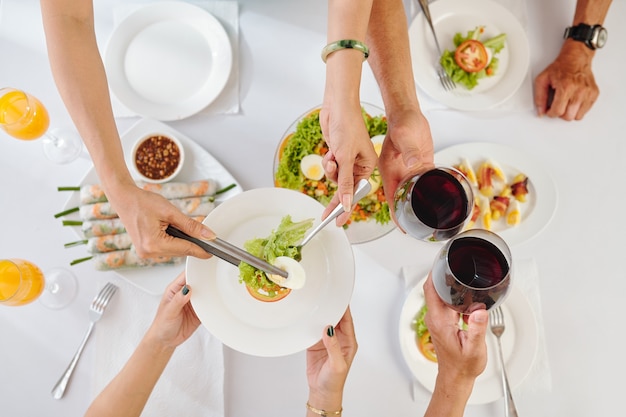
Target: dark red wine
479 274
477 263
439 200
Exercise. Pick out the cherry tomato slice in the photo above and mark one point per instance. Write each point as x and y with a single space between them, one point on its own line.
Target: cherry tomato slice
471 56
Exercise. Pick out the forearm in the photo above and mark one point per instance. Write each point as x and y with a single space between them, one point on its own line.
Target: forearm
127 394
449 397
347 19
81 80
591 12
390 57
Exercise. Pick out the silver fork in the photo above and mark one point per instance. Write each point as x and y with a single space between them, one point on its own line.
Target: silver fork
96 309
443 76
496 318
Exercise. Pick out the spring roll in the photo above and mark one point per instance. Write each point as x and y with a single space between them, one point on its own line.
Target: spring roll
109 243
93 193
129 259
98 228
193 206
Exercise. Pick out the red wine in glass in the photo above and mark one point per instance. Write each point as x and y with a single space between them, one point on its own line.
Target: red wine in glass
473 270
434 205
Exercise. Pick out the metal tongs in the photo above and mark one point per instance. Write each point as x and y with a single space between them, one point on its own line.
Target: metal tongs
228 252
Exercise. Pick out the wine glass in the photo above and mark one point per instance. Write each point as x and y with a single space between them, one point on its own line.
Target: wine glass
472 271
434 205
22 282
24 117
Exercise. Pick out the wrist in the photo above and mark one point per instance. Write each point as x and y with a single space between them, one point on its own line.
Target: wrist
330 402
157 344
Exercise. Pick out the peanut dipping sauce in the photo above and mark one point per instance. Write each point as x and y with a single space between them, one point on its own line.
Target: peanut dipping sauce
157 157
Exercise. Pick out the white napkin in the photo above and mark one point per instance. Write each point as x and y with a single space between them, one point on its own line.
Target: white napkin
192 384
526 278
521 101
227 12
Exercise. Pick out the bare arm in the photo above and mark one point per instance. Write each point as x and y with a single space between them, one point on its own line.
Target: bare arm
408 147
81 80
79 74
461 354
126 395
351 155
570 76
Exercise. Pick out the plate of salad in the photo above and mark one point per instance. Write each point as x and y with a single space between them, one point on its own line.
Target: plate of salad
277 324
485 50
520 343
298 166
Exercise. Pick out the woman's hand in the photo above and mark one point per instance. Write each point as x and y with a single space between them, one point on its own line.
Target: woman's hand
146 215
328 363
351 155
175 320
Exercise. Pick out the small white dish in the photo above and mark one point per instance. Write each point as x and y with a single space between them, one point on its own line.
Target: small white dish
159 140
168 60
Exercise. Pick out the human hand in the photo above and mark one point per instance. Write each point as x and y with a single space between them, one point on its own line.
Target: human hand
568 83
461 354
407 151
146 215
351 155
175 320
328 363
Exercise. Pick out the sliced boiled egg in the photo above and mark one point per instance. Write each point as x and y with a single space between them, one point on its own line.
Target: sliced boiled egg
311 167
296 277
377 141
375 179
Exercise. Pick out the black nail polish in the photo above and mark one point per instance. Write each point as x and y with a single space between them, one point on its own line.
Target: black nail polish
331 331
185 290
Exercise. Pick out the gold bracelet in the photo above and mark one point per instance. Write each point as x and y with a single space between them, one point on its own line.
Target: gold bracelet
345 44
323 413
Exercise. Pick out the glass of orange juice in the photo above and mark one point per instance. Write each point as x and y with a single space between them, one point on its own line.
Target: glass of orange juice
22 282
24 117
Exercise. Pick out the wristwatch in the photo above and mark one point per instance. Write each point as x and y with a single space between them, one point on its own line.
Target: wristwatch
593 36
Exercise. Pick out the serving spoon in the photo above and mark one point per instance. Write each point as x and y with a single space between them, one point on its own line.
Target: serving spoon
362 189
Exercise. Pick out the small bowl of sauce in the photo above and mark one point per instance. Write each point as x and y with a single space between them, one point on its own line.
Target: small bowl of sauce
157 157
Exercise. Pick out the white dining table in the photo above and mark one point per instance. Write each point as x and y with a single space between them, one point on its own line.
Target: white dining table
578 255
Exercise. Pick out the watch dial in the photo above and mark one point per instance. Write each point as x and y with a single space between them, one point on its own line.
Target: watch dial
602 36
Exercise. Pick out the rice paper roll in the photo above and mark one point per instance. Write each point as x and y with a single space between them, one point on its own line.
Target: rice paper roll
193 206
196 206
109 243
93 228
97 228
97 211
129 259
93 193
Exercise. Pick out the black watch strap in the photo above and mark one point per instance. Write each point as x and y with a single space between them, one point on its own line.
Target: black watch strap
582 33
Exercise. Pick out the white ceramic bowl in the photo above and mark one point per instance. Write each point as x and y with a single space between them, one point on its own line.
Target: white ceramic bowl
157 160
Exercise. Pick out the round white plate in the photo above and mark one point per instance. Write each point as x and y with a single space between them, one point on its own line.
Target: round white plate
168 60
199 164
519 343
542 200
453 16
358 232
294 323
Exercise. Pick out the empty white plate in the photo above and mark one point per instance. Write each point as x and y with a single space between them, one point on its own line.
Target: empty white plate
168 60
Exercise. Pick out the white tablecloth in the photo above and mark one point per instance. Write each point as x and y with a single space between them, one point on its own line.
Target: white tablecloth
578 255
